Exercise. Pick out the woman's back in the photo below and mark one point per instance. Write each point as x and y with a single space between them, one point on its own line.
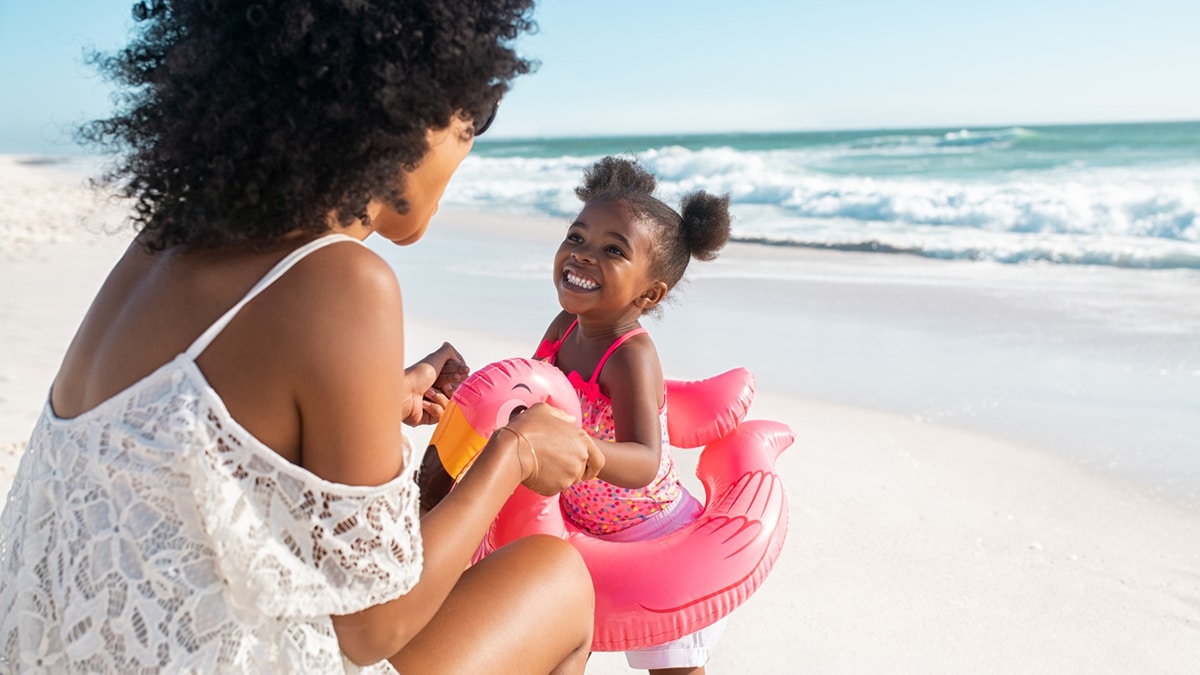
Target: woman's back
162 532
151 307
288 352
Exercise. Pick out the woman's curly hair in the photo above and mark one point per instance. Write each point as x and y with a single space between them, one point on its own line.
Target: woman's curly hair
243 121
698 230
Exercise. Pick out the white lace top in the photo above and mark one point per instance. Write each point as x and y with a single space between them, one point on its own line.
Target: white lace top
153 533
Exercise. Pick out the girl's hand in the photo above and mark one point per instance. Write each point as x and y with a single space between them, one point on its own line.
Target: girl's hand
553 451
432 382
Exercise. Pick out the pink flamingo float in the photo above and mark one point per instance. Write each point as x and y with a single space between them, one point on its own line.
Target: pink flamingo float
647 592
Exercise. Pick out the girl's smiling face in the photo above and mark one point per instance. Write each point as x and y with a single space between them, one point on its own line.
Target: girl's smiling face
603 266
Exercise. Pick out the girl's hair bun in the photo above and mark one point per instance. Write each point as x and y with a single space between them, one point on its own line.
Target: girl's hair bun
705 223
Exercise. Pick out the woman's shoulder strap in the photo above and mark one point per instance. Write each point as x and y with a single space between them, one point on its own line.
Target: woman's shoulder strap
269 278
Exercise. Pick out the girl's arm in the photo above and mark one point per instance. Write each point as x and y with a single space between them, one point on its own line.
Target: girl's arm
632 378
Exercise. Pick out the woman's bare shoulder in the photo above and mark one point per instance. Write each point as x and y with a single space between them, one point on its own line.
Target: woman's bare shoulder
341 295
347 363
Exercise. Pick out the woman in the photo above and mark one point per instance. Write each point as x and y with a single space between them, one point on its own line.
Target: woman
219 481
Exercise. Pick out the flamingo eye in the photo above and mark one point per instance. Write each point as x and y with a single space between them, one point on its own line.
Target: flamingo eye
509 411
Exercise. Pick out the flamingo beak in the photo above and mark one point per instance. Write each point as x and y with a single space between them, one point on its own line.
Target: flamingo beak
456 441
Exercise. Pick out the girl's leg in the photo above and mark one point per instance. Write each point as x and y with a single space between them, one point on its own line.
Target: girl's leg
527 608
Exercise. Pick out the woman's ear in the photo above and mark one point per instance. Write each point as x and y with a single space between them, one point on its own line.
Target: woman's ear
652 296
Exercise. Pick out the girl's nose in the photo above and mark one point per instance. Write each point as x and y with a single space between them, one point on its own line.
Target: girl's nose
581 255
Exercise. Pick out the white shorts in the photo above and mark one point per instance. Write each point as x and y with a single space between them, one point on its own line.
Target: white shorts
690 651
694 649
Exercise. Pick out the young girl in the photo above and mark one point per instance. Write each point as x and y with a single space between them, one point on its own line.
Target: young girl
621 257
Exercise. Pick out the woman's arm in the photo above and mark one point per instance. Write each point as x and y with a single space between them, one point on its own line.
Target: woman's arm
452 531
352 394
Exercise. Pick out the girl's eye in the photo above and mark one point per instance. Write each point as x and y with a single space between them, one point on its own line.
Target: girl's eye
574 238
616 251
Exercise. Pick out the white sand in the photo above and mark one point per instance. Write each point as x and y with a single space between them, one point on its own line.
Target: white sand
913 547
56 247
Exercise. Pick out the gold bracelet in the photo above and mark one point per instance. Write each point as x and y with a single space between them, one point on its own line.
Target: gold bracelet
521 437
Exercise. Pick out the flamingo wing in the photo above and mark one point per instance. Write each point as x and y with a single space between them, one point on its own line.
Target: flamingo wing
649 592
701 411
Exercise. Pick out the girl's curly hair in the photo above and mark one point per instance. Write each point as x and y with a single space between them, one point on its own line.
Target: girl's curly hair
242 121
699 229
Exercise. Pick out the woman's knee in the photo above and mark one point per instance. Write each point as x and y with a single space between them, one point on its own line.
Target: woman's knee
560 566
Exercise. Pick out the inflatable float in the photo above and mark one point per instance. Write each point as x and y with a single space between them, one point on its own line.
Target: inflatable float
647 592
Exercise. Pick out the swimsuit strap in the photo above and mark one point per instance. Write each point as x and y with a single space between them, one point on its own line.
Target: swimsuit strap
612 348
269 278
548 350
568 331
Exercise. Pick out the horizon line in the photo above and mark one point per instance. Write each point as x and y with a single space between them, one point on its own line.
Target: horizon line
824 130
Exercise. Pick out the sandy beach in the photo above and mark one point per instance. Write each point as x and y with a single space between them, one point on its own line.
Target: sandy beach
937 525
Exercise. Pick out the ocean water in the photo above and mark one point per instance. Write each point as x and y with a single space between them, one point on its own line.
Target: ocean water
1124 195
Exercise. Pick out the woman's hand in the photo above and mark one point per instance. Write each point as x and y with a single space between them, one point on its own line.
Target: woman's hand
553 451
432 382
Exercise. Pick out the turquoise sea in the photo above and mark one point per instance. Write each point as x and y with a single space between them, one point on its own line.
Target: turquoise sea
1125 195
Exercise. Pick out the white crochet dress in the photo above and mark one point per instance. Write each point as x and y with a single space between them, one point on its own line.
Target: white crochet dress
154 534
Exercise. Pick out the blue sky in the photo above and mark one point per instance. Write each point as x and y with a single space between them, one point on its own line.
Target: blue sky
654 66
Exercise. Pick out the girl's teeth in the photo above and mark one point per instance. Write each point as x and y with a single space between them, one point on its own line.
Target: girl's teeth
581 282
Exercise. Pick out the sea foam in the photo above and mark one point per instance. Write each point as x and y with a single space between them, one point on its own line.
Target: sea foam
1112 195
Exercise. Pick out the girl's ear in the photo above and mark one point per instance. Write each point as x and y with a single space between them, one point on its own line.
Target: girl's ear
651 296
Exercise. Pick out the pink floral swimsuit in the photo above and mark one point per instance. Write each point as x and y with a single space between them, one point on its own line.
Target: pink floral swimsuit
596 506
